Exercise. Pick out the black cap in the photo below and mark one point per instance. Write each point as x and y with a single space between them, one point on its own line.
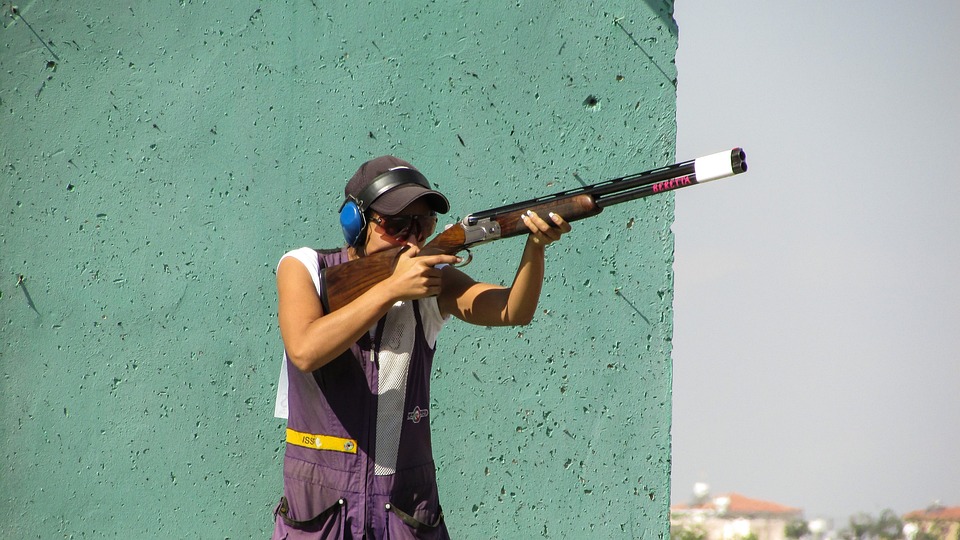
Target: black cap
392 184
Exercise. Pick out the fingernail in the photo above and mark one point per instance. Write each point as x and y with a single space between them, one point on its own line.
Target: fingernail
552 215
529 212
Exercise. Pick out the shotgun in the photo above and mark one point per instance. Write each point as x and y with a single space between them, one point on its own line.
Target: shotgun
345 282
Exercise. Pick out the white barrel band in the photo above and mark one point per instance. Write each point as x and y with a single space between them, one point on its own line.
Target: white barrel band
714 166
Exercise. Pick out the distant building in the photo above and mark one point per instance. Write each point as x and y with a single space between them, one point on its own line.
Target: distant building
732 517
940 522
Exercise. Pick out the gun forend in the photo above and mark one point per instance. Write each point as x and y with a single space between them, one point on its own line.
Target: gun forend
720 165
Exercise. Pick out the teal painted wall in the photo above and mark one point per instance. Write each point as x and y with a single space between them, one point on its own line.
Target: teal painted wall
157 158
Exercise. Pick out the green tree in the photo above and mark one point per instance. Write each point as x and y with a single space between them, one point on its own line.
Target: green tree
797 528
687 533
863 526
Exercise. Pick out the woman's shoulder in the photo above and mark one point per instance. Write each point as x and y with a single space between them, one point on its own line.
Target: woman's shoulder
307 256
310 257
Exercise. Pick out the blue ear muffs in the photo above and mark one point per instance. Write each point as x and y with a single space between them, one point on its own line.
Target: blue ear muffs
352 221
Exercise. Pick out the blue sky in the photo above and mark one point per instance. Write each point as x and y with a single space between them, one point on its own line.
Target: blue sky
816 342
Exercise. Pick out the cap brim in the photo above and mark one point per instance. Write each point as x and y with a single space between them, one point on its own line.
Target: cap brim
394 201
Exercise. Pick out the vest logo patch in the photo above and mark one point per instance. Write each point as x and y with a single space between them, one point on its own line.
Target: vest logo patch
418 414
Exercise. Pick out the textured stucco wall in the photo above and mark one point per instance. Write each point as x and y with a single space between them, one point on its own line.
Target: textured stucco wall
157 158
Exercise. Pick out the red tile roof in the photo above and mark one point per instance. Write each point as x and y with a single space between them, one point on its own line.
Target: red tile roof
740 505
940 513
743 505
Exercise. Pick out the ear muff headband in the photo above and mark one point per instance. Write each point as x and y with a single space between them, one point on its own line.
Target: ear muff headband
353 218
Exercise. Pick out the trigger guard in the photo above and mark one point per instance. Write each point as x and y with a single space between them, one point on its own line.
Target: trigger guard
466 262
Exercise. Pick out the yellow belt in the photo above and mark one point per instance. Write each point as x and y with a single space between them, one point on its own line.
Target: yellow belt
321 442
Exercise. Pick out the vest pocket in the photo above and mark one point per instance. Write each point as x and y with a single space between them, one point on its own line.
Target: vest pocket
329 523
401 525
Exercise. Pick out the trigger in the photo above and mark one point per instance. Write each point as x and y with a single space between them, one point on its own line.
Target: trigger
466 262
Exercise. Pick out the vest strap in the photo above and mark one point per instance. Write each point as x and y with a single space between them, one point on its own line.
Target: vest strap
321 442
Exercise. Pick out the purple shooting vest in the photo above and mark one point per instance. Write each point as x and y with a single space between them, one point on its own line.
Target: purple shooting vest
358 460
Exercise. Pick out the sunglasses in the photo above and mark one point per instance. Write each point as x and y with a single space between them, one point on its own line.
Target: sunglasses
401 227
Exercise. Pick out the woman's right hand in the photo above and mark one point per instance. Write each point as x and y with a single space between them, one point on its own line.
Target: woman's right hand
417 277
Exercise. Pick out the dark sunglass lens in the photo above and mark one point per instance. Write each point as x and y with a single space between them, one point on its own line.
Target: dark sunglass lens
402 226
427 224
397 225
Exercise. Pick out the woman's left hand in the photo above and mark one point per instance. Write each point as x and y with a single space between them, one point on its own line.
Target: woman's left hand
541 232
